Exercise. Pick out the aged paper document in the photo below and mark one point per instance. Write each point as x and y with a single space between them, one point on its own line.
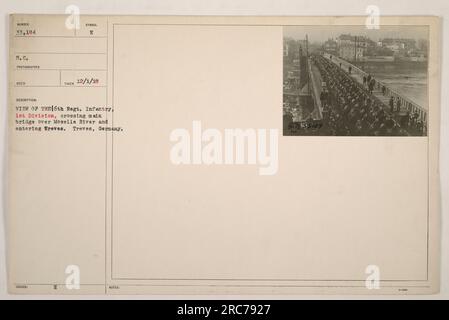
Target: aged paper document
223 155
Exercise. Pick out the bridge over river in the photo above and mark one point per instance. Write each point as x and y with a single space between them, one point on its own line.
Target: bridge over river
407 105
381 92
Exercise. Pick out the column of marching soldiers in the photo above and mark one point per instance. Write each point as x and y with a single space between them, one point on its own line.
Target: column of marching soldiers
349 108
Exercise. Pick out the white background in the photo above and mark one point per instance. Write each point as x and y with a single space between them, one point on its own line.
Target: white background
234 7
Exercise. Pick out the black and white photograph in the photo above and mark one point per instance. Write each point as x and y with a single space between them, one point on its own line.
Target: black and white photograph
355 81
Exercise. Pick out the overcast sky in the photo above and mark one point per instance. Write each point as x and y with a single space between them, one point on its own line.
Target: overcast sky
322 33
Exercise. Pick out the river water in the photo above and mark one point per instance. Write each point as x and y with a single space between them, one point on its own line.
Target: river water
408 79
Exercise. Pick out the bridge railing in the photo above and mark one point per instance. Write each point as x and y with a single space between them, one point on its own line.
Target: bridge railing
406 103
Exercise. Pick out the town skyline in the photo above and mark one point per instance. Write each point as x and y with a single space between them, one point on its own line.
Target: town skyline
319 34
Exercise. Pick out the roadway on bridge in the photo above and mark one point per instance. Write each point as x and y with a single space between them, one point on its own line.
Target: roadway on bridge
317 87
377 92
357 75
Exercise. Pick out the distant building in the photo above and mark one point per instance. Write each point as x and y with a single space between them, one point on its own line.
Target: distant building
350 53
293 49
360 48
350 40
352 48
414 56
331 46
302 47
406 49
422 45
398 44
344 40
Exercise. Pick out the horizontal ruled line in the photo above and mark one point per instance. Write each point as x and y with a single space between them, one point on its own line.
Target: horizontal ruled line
60 86
70 37
60 53
38 69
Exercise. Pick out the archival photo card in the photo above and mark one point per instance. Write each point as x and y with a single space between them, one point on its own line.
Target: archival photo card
354 81
223 155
